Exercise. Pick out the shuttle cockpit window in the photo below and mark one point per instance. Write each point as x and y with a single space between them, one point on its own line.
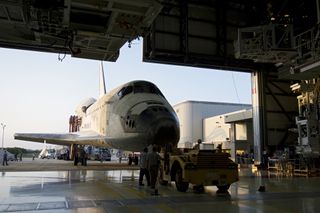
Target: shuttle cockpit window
145 87
125 91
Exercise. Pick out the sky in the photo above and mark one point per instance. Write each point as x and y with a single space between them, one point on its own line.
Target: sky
38 92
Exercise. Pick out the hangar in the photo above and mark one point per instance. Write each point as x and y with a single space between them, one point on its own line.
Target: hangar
276 41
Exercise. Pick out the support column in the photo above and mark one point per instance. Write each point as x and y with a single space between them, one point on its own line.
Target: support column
318 10
233 146
258 116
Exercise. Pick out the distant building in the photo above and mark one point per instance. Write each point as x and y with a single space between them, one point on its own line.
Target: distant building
191 115
233 131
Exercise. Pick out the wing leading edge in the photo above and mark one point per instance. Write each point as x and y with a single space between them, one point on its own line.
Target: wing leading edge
82 138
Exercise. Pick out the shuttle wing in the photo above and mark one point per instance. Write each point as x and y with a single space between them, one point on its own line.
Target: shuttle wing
81 138
85 138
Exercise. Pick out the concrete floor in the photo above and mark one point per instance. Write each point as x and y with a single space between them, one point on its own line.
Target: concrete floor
118 191
27 164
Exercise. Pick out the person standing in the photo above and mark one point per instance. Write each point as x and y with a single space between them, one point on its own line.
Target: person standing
67 156
76 155
153 162
136 159
83 157
143 168
101 156
119 155
130 159
197 146
5 158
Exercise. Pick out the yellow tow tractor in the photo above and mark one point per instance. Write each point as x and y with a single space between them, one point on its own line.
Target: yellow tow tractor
198 167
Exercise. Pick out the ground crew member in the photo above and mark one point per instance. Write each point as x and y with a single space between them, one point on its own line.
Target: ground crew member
83 155
5 158
197 146
143 168
153 162
76 155
130 159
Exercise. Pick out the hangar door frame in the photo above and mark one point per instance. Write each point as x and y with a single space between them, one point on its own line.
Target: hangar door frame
185 33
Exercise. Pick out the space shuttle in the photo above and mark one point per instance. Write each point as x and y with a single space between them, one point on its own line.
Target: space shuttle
129 117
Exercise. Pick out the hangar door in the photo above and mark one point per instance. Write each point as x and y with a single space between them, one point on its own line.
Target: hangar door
198 33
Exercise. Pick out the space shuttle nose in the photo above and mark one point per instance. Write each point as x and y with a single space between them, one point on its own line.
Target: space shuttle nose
160 125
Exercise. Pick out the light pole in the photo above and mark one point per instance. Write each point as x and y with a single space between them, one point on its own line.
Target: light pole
3 126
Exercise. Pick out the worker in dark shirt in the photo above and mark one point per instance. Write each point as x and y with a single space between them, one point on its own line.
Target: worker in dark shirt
5 158
144 168
197 146
153 162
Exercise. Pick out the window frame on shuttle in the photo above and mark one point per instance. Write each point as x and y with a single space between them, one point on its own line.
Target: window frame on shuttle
125 91
148 88
139 87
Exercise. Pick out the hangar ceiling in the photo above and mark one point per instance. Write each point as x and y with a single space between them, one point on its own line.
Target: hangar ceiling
233 34
82 28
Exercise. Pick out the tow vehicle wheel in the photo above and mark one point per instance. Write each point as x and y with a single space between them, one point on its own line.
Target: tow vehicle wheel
163 182
180 185
223 188
198 188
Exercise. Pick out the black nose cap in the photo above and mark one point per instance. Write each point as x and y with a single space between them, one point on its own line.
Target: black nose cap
160 125
163 132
